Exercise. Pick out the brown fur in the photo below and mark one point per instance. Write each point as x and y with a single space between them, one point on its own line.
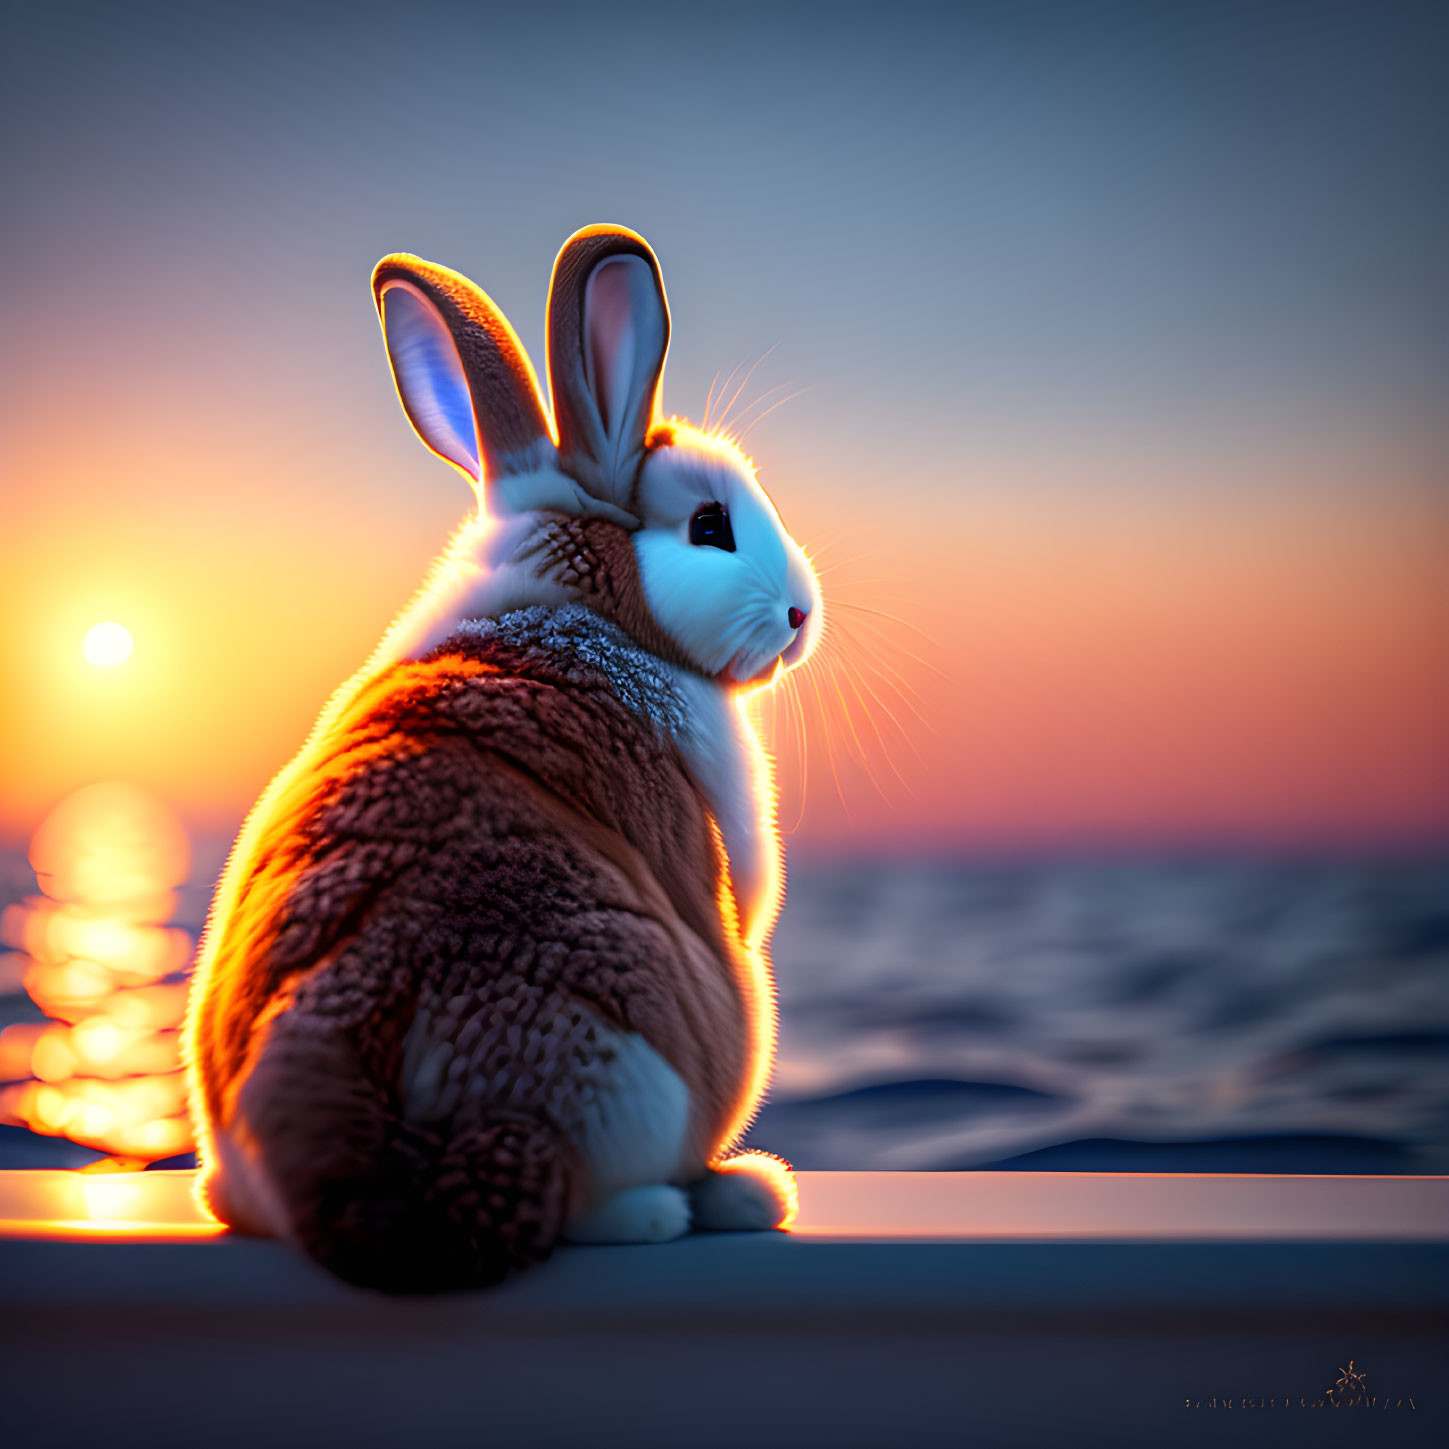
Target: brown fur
496 842
596 560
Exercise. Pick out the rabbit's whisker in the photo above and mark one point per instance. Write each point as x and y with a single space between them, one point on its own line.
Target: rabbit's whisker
862 754
719 397
909 653
857 672
759 418
725 414
756 401
709 399
855 680
829 741
895 683
890 617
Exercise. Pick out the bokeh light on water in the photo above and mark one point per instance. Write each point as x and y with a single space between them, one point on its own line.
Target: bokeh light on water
97 957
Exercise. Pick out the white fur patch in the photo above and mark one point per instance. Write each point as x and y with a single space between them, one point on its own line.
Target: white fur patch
490 565
656 1214
632 1128
733 773
727 608
622 1106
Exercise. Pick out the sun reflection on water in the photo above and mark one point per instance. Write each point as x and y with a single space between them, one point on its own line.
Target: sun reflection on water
100 961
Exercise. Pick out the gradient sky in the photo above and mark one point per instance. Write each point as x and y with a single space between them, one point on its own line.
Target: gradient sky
1124 327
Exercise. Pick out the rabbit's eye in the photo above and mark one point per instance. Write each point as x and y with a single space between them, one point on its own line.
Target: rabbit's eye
711 525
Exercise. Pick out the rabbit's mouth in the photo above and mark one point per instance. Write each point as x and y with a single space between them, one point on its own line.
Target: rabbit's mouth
797 648
736 671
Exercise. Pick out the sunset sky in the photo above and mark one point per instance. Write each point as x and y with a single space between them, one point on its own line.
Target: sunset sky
1123 338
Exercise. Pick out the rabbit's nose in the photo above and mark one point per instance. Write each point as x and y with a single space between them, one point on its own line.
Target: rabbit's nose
797 617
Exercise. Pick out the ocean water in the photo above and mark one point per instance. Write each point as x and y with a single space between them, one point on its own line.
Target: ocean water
1156 1016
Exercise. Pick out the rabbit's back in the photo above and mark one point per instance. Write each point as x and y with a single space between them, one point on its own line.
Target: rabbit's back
492 883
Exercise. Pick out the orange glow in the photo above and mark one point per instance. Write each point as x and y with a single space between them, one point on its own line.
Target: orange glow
1136 643
119 1204
1129 672
107 1071
228 679
112 847
118 1229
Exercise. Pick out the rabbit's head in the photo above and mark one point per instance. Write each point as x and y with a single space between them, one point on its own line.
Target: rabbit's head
720 574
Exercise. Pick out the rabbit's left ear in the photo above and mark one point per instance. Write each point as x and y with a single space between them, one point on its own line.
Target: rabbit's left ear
608 332
462 375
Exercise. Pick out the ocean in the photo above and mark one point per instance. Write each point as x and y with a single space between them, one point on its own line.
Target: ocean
1153 1016
1239 1016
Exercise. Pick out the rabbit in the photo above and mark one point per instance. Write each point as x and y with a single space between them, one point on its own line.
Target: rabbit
488 966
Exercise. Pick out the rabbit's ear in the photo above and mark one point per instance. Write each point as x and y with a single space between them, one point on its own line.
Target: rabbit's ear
608 332
462 375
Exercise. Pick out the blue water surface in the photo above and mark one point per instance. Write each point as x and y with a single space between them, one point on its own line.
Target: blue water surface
1214 1016
1160 1016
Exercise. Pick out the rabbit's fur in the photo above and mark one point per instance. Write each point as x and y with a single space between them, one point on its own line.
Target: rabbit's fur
488 966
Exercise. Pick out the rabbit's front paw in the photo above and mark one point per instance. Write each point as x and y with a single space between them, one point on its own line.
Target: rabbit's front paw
638 1215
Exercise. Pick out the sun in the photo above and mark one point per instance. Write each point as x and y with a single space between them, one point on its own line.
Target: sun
107 645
